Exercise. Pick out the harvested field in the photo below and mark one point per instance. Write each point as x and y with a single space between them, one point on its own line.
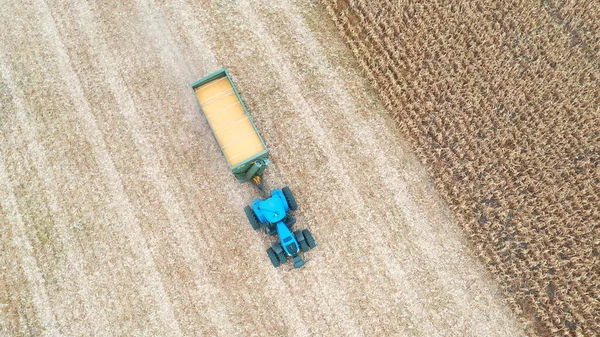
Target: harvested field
119 215
502 101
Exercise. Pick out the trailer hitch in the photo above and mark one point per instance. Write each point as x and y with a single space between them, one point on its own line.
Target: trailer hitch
254 174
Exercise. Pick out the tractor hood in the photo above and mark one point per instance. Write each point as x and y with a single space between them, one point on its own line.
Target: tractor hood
272 209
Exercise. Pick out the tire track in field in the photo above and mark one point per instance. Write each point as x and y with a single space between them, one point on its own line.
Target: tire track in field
161 134
75 272
163 313
145 315
23 249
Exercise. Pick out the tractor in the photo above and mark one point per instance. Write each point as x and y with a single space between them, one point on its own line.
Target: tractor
274 217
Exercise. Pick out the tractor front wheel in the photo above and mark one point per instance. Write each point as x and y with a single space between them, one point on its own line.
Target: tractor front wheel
309 238
301 241
273 257
282 258
252 218
289 197
278 250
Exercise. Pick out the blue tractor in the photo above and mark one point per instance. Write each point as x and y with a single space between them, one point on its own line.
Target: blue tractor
273 216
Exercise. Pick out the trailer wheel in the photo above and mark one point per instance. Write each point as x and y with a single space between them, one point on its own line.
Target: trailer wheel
309 238
252 218
289 197
273 257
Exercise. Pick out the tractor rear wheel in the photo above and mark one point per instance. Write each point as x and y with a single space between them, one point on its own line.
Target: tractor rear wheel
273 257
252 218
309 238
289 197
301 241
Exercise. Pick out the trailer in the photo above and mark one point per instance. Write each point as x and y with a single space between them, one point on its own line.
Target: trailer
233 127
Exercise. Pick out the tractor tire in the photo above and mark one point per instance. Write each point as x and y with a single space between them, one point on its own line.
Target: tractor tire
273 257
277 248
309 239
290 221
289 197
252 218
301 241
304 246
282 258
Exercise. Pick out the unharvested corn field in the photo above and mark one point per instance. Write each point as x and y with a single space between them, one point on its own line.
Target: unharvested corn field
501 100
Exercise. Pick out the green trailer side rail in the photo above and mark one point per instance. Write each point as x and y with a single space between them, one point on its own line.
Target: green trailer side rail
249 168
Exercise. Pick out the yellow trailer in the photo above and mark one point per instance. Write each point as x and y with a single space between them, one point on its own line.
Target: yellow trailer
232 126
